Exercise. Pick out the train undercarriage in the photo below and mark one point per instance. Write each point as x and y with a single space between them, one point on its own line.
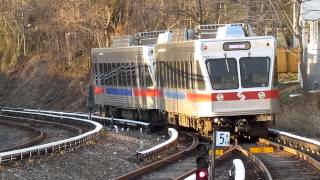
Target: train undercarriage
244 126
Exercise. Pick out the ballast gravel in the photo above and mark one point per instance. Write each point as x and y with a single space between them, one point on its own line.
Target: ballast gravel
109 156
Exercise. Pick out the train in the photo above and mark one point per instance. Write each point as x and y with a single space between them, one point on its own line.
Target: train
212 77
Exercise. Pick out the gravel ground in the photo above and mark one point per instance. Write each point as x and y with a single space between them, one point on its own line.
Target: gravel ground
109 156
12 136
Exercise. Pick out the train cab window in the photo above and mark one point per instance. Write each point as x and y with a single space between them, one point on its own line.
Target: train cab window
254 71
223 73
199 77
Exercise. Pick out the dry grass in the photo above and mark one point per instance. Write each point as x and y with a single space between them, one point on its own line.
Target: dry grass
301 113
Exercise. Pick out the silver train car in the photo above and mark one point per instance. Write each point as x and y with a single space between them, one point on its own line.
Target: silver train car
213 77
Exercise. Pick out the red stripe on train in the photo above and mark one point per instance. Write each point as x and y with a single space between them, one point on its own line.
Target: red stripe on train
147 92
98 90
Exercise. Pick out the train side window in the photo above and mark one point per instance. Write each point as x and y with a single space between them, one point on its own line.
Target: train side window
182 78
141 74
124 74
128 74
164 74
118 74
158 74
199 77
100 73
109 74
133 75
168 74
174 75
105 73
186 73
114 74
191 80
177 70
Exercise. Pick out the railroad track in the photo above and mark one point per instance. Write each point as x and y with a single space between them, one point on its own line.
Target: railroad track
82 131
183 151
291 157
294 157
27 137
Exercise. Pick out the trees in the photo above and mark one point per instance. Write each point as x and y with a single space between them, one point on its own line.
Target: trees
292 23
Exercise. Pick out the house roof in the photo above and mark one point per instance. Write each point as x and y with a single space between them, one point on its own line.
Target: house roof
310 10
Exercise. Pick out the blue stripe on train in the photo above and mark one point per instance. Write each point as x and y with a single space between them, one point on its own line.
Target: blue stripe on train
174 94
120 92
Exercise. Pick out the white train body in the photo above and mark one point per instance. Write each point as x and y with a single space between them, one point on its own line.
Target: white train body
200 83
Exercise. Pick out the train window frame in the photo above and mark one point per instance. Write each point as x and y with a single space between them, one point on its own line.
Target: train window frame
199 79
263 85
235 72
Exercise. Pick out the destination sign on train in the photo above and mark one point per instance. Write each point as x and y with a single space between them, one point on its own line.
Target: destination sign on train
231 46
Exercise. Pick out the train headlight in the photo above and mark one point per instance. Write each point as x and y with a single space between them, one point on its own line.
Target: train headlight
262 95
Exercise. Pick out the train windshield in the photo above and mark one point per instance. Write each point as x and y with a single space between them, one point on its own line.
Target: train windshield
223 73
254 71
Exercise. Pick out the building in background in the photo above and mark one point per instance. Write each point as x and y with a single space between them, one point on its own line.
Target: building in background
310 21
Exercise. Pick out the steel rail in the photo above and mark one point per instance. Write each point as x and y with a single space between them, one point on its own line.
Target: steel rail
25 153
315 163
160 150
262 167
31 142
303 144
148 168
219 160
102 120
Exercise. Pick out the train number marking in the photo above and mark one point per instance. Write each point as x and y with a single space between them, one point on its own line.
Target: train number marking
222 138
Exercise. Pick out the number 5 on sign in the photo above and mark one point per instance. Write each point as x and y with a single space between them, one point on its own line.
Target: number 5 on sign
222 138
